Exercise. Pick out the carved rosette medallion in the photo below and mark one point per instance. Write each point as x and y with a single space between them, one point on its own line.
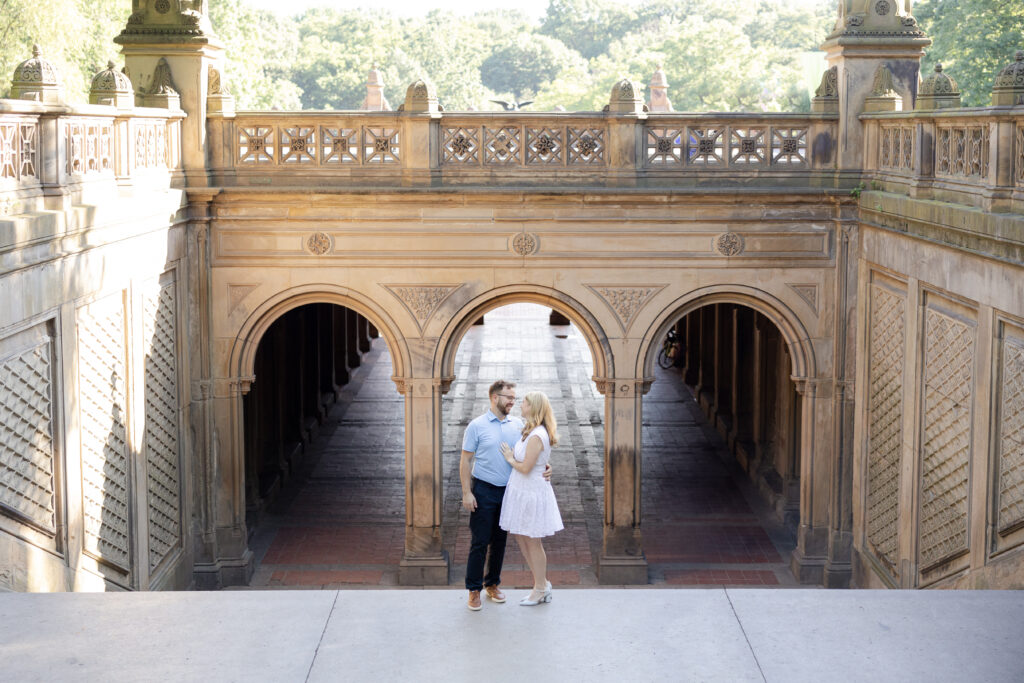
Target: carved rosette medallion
318 243
729 244
882 7
422 301
162 6
525 244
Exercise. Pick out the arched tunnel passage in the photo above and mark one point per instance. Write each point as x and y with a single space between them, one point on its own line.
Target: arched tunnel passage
324 451
720 491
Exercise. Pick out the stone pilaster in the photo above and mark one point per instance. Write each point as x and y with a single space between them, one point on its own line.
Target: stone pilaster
424 562
622 558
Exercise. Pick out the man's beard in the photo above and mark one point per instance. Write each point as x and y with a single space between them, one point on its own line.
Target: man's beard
501 409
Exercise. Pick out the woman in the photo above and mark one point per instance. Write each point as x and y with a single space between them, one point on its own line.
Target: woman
529 510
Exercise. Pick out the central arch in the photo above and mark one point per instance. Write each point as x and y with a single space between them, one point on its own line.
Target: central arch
585 321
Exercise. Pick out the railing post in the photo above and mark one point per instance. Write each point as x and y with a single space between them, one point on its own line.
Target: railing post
418 142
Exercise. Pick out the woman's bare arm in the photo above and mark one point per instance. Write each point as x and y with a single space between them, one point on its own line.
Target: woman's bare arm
533 449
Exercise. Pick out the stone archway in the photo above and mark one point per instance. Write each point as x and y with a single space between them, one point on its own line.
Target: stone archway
808 413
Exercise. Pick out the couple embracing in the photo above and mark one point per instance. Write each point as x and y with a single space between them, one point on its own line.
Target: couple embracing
506 488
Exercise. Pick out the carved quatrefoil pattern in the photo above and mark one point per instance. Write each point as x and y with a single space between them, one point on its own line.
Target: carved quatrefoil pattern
725 146
311 145
522 145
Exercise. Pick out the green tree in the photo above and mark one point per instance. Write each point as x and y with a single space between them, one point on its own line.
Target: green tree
973 39
523 65
587 26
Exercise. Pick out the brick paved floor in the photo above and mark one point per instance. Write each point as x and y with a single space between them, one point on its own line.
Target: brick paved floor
341 523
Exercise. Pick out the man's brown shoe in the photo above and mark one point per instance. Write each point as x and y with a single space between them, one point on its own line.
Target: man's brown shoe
494 593
474 601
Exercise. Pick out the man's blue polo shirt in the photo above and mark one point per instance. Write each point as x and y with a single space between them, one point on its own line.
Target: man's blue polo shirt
483 439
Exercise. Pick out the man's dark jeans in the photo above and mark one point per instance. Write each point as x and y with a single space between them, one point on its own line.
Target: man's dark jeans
483 525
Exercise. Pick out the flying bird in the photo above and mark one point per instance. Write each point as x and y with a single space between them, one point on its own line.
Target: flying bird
512 106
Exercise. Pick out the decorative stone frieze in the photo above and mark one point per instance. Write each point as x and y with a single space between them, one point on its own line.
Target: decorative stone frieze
152 21
809 294
626 301
876 18
422 301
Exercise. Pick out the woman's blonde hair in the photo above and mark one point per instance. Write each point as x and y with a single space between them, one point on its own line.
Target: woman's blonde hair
540 414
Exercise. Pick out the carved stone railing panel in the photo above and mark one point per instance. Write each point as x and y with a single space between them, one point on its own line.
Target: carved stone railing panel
27 482
19 149
946 437
504 145
89 146
315 145
161 437
104 433
885 424
1010 516
151 146
962 151
896 149
718 145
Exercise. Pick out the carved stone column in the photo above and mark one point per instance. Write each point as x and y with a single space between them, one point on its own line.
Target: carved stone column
622 558
424 562
352 338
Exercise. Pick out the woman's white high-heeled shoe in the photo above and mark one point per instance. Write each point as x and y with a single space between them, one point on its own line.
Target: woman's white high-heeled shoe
545 597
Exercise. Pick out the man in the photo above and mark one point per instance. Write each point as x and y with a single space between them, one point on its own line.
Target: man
484 475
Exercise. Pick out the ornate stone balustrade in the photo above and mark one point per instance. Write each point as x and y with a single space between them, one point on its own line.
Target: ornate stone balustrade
966 156
520 149
55 149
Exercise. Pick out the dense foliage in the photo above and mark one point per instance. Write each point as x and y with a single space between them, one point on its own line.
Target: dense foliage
741 55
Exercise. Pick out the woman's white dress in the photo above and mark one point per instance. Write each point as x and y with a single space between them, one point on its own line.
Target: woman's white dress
529 507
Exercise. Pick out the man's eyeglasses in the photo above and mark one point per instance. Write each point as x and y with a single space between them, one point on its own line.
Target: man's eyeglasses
510 398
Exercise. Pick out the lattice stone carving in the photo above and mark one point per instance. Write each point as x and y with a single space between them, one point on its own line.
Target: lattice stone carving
502 145
963 151
664 146
789 146
748 146
422 301
151 145
946 441
298 145
586 146
9 157
381 145
339 145
256 144
544 145
163 461
461 146
26 437
626 302
706 146
885 423
105 465
1011 437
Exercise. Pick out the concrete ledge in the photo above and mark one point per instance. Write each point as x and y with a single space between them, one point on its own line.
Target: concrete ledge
423 571
622 571
592 635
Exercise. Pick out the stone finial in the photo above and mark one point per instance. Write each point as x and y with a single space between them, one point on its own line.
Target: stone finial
375 99
218 99
938 91
37 79
883 96
420 97
112 87
658 88
625 98
826 97
1009 85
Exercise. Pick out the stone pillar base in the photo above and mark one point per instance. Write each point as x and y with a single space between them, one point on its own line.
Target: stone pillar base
622 571
223 573
423 571
807 570
837 576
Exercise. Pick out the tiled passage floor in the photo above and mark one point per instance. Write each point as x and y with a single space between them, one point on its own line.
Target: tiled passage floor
341 524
